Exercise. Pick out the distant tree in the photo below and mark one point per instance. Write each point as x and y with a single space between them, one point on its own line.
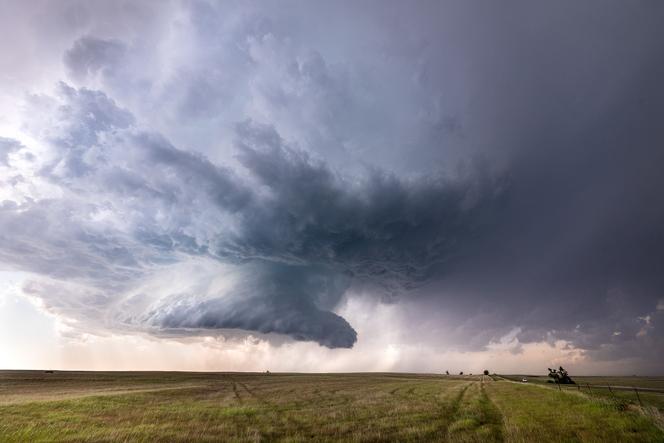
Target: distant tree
447 372
461 373
486 372
560 376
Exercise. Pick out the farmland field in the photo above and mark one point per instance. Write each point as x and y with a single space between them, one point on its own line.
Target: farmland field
650 389
168 406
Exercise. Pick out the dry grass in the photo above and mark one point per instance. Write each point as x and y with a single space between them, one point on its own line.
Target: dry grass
288 407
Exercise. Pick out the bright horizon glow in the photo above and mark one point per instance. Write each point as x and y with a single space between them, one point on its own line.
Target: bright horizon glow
32 339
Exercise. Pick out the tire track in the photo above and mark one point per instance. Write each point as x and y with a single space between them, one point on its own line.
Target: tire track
259 398
492 414
472 413
236 393
456 403
449 413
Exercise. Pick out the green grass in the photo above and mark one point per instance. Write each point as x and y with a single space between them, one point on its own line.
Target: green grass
632 381
287 407
535 413
595 387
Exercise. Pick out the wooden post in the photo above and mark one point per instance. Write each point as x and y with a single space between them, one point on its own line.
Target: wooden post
637 396
589 390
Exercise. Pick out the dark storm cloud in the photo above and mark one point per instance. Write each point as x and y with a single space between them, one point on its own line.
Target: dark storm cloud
377 230
569 105
272 297
490 167
299 226
378 226
584 219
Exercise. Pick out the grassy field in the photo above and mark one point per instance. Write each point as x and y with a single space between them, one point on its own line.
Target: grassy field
650 389
93 406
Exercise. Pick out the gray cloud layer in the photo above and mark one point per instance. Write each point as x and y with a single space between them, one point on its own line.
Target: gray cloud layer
485 167
302 229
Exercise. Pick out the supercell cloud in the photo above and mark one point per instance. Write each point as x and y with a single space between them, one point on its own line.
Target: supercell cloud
200 168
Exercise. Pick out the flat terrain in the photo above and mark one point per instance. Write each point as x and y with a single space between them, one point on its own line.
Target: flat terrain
650 389
154 406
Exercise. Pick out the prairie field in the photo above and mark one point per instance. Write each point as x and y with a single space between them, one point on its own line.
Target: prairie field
642 391
372 407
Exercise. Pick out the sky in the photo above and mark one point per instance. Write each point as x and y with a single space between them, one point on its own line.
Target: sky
332 186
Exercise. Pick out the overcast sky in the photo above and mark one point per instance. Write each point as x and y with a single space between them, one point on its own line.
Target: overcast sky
332 186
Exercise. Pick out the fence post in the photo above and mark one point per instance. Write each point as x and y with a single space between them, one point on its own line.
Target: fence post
637 396
589 390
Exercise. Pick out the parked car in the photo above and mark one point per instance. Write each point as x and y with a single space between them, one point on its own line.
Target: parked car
524 380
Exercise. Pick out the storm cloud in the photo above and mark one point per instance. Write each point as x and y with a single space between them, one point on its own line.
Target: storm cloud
493 171
305 231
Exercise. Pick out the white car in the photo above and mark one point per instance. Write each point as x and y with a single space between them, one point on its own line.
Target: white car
524 380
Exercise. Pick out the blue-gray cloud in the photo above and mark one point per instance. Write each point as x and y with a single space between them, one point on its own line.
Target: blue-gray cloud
7 146
89 55
305 231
